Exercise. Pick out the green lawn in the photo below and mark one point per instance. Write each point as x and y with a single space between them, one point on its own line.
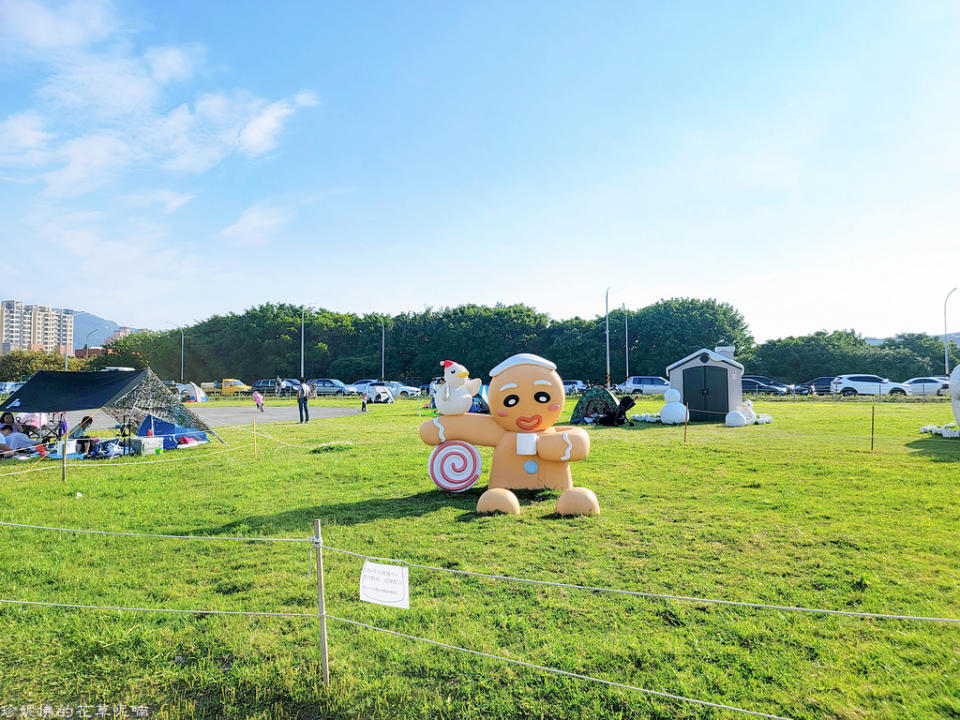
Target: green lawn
799 512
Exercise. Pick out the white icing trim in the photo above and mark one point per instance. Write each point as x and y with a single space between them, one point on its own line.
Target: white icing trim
566 455
522 359
542 382
508 386
436 421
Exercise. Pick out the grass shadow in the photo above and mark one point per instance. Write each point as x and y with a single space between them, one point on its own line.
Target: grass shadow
938 448
295 522
524 497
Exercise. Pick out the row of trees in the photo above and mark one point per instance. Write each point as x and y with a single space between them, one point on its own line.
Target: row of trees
265 342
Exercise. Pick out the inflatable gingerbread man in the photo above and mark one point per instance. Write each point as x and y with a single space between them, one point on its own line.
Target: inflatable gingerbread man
526 398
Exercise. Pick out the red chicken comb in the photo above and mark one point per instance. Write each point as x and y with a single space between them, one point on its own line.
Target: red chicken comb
446 363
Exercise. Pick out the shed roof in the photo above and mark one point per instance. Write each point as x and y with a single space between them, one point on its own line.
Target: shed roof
714 356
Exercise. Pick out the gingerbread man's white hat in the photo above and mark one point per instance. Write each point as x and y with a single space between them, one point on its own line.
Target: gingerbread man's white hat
522 359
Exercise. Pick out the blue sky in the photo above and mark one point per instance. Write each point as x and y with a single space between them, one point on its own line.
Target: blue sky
161 162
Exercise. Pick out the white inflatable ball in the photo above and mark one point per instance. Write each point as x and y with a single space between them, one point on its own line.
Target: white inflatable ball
671 396
673 413
735 419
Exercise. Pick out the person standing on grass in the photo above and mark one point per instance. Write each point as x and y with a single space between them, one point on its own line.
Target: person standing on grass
303 395
279 385
258 399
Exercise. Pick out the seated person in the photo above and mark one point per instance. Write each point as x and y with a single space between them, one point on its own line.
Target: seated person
79 433
8 419
13 441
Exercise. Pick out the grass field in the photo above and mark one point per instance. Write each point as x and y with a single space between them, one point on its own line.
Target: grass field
799 512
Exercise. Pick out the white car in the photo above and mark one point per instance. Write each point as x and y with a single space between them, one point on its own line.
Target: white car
847 385
571 387
400 390
928 385
644 385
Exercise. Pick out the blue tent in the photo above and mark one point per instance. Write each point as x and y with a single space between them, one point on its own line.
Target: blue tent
170 432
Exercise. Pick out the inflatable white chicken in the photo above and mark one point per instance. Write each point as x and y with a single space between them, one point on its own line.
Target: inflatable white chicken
455 396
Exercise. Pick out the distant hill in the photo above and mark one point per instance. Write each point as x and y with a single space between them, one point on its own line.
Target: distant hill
99 329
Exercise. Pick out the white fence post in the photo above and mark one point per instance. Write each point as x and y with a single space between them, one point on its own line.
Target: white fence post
321 601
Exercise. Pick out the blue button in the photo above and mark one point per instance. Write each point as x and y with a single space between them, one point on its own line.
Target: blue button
531 466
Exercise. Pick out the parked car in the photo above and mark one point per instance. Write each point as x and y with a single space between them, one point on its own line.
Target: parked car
377 392
848 385
930 385
330 386
400 390
269 387
776 383
751 385
643 385
361 385
820 385
227 386
574 387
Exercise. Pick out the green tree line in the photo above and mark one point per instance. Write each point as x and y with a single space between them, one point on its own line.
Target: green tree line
264 342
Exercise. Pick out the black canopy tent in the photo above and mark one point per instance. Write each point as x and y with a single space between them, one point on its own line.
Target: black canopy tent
61 391
127 396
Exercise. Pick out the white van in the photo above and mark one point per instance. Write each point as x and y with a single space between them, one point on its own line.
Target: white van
644 385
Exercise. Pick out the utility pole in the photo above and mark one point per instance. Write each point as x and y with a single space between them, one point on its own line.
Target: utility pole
626 341
606 314
181 355
946 353
301 341
383 350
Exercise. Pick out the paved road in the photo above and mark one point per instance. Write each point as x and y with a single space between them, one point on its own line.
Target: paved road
215 416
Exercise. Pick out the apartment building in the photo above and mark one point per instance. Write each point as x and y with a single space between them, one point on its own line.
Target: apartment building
35 327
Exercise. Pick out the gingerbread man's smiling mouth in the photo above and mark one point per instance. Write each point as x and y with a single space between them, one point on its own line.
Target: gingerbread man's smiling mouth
529 423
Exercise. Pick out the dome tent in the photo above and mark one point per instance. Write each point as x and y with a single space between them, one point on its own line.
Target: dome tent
595 401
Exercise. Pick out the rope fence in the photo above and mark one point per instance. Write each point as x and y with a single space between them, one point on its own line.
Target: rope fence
318 546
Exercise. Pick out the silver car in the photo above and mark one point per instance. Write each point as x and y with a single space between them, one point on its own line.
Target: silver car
331 386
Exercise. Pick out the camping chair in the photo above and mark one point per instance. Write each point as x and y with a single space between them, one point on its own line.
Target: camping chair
46 433
618 416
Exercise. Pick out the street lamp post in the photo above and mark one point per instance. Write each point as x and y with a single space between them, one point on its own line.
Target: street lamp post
383 350
181 355
301 341
626 341
606 313
946 354
176 327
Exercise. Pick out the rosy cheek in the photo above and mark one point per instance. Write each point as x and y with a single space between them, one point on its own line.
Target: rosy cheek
502 413
555 407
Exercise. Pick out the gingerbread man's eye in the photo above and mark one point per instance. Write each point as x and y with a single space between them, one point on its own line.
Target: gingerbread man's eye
511 400
542 397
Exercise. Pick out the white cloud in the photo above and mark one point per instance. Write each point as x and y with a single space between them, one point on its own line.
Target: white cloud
169 63
260 134
23 132
257 225
196 139
105 87
92 160
167 200
72 25
306 98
